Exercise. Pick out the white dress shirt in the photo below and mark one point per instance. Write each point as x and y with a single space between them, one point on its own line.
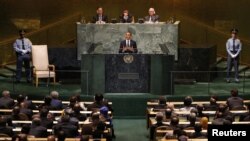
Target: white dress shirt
231 50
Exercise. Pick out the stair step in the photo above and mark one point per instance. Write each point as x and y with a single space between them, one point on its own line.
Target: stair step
242 68
219 59
222 66
6 73
245 74
10 67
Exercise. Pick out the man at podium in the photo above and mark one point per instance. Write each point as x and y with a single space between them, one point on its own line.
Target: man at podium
128 45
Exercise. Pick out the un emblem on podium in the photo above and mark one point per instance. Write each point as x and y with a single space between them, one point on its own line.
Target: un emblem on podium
128 59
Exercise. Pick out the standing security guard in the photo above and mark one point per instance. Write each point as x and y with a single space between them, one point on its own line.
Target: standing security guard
22 46
233 47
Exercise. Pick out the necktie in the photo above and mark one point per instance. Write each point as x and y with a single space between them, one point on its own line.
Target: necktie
150 19
129 43
234 45
23 44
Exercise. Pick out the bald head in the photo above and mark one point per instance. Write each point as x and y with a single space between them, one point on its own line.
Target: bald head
6 93
151 11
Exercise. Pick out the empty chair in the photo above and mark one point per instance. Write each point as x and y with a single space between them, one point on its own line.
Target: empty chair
41 66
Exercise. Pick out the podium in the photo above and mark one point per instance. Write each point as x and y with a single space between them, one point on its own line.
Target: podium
127 73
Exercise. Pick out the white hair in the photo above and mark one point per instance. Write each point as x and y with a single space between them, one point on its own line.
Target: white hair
54 94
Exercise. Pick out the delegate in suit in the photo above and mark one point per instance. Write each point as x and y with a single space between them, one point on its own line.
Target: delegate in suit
100 17
125 17
152 17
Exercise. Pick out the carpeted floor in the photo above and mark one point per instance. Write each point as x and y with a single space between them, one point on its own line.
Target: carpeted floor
131 130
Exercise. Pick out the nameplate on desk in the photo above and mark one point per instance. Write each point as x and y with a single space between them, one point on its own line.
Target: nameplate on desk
128 75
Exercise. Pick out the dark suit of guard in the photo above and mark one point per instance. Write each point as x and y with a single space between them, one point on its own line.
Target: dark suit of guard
102 18
128 44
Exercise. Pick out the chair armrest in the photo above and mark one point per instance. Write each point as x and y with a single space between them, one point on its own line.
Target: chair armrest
52 67
34 69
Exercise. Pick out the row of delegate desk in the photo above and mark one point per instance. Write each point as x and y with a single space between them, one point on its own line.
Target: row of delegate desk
151 113
45 139
18 129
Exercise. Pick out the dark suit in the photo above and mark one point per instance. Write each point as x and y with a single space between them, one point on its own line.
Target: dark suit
96 18
47 123
6 130
123 20
211 107
152 129
70 130
154 18
235 102
56 104
6 102
132 44
95 105
38 131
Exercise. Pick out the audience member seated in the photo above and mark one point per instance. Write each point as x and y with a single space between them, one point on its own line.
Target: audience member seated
68 128
200 114
72 120
192 120
224 110
95 118
174 123
187 104
98 103
5 129
55 102
72 102
87 131
6 102
61 136
104 117
204 122
213 105
198 132
45 122
51 138
14 116
235 102
37 129
78 98
99 132
21 98
159 122
46 104
246 116
77 112
25 110
161 103
219 120
25 129
20 137
182 136
168 115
